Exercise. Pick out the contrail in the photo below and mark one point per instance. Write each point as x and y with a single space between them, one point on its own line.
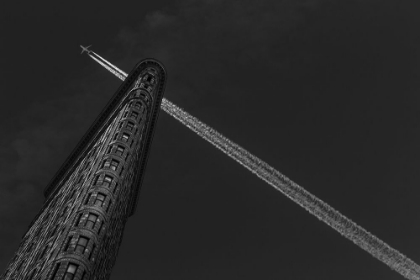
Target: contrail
346 227
111 68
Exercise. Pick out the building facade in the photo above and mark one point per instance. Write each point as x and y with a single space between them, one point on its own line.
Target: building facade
77 234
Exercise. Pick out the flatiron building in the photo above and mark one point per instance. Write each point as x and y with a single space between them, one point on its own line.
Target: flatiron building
77 233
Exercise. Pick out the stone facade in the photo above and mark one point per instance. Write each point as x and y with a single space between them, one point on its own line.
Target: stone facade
77 234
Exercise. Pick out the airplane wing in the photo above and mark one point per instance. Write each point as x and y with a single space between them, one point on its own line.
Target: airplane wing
85 49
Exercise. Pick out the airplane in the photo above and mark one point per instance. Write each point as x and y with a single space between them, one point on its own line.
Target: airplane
85 49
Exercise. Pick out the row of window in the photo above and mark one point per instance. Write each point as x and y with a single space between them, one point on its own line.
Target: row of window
90 222
145 97
70 272
136 105
146 87
148 81
133 114
149 78
106 183
129 126
118 150
111 164
124 137
99 200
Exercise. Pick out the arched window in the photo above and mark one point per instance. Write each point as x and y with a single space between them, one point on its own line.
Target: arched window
91 221
130 125
125 137
81 245
70 271
107 181
137 106
134 115
112 164
100 199
120 150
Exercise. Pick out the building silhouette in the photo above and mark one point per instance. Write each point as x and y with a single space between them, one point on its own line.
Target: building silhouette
77 234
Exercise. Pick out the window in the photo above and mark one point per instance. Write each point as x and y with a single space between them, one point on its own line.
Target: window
56 269
145 97
107 181
114 164
125 137
91 252
130 125
100 198
125 114
101 227
134 115
137 106
70 271
115 137
91 221
79 219
87 199
149 78
81 245
119 150
68 243
121 124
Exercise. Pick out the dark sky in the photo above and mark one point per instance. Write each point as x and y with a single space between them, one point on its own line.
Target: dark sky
327 92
